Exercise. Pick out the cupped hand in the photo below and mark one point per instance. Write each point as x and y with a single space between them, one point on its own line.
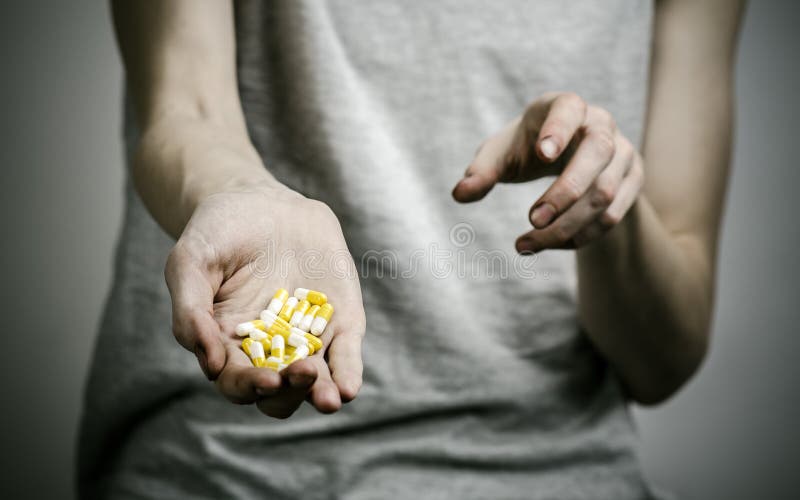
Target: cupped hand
236 250
599 172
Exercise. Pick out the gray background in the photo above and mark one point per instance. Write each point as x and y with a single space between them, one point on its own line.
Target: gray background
729 434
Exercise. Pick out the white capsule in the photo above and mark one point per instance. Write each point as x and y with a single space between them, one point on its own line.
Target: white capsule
297 338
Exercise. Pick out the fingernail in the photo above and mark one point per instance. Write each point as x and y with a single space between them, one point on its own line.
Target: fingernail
542 215
549 148
526 246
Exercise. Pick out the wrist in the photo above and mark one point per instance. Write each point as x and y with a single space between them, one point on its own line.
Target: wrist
181 163
614 248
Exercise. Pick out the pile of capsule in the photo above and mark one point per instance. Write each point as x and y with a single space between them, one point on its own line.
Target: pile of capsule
287 329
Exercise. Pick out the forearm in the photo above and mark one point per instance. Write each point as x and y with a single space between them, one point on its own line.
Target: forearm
647 287
645 300
180 61
182 160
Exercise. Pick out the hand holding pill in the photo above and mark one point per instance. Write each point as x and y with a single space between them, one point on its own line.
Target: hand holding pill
263 330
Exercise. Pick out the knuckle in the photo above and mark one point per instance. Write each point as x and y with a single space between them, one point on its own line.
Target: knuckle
573 100
625 149
604 144
603 194
604 117
610 219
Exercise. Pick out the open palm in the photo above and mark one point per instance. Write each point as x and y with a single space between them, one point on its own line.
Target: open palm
235 252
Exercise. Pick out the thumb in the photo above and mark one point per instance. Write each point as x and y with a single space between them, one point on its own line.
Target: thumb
492 160
192 288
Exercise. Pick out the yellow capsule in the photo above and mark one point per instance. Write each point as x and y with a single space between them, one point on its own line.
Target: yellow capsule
314 341
313 296
246 345
299 312
278 347
305 323
267 343
277 301
321 319
257 353
288 309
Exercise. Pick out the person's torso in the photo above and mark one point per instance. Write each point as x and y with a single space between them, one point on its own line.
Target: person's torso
478 382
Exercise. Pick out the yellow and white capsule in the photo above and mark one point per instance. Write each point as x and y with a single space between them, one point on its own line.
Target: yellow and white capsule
305 323
321 319
273 324
257 354
297 337
274 363
288 308
314 342
266 342
313 296
244 329
246 345
278 347
299 312
298 354
278 300
257 334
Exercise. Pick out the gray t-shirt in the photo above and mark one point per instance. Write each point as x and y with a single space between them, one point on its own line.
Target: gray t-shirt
478 382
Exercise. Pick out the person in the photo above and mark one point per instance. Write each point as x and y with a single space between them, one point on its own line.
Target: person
315 144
